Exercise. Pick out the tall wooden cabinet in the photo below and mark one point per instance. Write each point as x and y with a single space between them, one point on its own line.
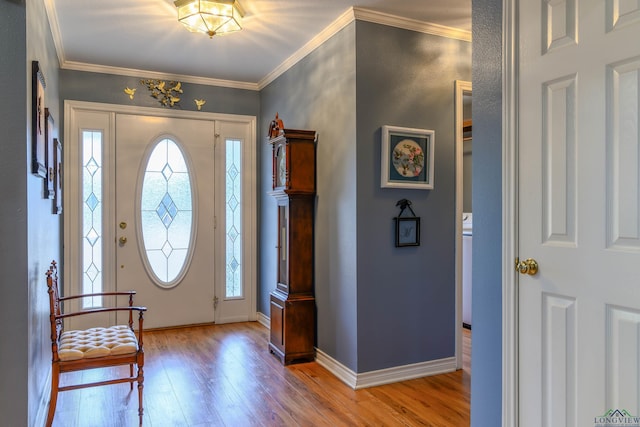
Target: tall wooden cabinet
292 302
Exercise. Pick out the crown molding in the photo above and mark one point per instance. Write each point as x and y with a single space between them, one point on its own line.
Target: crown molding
342 21
411 24
95 68
350 15
52 16
356 13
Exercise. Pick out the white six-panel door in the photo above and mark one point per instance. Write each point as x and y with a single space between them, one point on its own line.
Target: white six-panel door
579 210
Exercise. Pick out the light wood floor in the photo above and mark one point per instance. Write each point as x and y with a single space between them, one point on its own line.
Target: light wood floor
224 375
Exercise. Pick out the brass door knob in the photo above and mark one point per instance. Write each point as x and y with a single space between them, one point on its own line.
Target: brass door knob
528 266
122 240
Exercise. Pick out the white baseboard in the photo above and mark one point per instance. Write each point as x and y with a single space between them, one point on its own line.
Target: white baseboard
43 407
406 372
379 377
264 320
343 373
384 376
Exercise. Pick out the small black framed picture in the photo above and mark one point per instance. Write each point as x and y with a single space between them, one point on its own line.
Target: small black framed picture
57 176
407 231
49 189
38 122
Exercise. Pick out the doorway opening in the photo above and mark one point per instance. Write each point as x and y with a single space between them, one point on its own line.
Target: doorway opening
464 214
168 210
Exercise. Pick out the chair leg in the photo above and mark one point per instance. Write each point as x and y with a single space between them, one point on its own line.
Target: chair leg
140 388
55 378
131 376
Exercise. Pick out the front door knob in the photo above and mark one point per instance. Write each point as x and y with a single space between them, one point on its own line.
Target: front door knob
122 240
528 266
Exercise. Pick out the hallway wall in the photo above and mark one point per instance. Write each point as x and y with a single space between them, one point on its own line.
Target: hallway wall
31 233
378 306
406 296
486 383
14 293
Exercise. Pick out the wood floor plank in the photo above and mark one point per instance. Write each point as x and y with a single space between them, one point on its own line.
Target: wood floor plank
224 375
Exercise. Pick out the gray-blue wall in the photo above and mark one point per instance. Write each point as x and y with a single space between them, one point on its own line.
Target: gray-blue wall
30 232
319 93
14 293
45 230
378 306
406 296
109 89
486 380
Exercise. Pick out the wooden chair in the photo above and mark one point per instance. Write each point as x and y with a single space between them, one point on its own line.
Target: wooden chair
95 347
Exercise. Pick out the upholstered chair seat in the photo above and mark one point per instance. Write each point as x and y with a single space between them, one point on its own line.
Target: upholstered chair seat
97 342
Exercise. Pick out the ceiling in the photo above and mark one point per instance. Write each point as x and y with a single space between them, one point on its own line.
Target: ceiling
143 37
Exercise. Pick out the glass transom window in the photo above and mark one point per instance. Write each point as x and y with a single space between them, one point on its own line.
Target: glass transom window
166 213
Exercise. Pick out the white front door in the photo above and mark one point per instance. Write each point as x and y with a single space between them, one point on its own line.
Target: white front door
165 196
579 211
163 204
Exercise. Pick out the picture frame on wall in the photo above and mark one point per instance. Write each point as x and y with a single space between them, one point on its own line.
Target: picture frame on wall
38 121
49 188
407 231
57 176
407 158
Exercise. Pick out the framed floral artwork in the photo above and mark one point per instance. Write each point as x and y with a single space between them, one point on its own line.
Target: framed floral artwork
407 158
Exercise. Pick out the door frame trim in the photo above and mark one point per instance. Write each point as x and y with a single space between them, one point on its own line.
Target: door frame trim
510 318
72 106
461 87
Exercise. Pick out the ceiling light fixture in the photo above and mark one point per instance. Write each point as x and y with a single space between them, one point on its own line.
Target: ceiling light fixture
210 17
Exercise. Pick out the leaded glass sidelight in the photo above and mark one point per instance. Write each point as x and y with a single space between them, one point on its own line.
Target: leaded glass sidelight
233 208
91 217
166 213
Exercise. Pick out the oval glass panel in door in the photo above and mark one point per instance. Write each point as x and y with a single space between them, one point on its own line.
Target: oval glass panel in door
166 214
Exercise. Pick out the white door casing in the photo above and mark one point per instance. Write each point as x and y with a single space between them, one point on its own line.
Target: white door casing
461 89
102 117
236 136
575 354
77 121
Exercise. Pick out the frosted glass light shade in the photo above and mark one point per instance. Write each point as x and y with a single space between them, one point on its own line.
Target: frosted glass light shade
210 17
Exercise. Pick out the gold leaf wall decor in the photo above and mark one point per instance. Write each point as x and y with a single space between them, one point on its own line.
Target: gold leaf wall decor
167 93
199 103
130 92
